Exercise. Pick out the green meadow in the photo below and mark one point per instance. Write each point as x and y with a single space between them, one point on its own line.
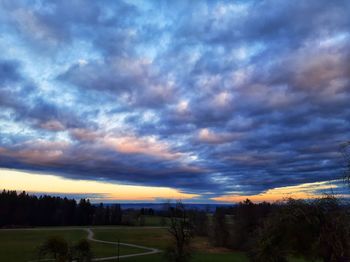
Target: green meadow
21 245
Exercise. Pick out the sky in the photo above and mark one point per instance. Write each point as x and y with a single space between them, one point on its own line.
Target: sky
205 101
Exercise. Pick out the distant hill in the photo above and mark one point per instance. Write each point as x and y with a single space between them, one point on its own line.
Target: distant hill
160 206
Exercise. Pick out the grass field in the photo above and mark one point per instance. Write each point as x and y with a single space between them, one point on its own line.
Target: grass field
21 245
156 220
151 237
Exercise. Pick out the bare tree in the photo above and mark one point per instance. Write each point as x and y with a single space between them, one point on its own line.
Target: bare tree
181 232
345 149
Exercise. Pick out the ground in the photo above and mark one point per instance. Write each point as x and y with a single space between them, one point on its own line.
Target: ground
21 245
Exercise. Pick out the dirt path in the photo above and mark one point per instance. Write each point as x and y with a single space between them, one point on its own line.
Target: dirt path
149 250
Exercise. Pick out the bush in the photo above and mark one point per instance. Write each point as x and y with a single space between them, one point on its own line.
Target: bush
314 230
82 251
56 246
62 252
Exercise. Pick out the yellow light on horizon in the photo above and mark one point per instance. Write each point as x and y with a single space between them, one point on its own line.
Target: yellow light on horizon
43 183
302 191
104 191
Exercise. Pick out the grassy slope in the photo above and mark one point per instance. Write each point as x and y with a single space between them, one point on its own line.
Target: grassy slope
149 237
201 257
157 237
155 221
21 245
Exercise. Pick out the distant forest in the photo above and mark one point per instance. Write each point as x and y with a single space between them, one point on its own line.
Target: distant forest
21 209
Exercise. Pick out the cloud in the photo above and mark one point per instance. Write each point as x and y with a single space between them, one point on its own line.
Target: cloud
207 136
8 72
203 96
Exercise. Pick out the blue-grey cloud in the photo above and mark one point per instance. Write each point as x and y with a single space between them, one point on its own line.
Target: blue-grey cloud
211 96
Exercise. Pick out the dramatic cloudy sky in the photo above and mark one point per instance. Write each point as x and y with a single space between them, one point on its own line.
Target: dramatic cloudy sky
206 100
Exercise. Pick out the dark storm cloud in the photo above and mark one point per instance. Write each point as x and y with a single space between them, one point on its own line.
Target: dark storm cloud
220 96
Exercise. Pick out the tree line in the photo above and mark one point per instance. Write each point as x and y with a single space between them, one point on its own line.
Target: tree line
22 209
315 230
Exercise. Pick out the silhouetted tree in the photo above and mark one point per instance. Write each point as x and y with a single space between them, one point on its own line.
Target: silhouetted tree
247 217
57 247
220 229
199 220
82 251
85 212
99 215
314 230
181 232
60 250
28 210
116 214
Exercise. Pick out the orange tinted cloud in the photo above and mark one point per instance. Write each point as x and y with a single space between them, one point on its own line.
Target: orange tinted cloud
38 151
140 145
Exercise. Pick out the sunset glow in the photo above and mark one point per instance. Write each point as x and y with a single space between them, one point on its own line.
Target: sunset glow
94 190
302 191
